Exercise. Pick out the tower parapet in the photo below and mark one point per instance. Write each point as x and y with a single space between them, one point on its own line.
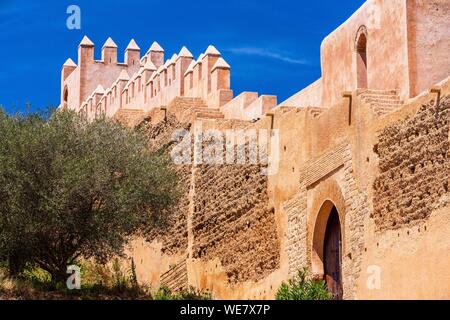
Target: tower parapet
132 54
155 54
109 52
142 83
79 81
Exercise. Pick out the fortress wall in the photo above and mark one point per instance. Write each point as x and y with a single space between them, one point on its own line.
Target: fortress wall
71 83
132 95
219 98
317 165
405 38
412 261
385 21
311 96
212 85
194 80
89 74
236 246
98 73
412 255
259 107
199 80
113 102
224 230
244 241
327 178
149 88
414 167
220 92
164 246
412 34
233 222
428 42
174 239
235 109
327 130
346 177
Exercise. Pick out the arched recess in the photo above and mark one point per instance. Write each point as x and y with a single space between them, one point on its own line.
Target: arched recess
361 58
65 97
326 225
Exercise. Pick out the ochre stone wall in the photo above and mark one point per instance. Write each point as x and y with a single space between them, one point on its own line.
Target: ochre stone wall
232 221
231 218
230 236
172 231
329 177
176 278
414 167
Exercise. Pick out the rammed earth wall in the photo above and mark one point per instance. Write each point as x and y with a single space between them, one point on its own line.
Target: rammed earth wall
172 230
232 221
414 167
231 218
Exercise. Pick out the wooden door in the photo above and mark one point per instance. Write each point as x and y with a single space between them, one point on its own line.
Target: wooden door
333 255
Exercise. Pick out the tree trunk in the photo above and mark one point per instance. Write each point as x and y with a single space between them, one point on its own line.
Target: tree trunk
15 265
59 275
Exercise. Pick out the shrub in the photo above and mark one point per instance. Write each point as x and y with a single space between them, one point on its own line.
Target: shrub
302 287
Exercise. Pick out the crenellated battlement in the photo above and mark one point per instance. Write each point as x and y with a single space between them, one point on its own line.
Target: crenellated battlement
80 81
351 60
96 87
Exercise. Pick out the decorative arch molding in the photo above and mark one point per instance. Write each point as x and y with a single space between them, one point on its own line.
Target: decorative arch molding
327 195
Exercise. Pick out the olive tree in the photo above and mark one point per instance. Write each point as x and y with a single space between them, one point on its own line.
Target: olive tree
71 188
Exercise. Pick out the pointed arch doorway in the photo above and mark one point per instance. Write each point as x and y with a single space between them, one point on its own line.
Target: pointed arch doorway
332 248
327 248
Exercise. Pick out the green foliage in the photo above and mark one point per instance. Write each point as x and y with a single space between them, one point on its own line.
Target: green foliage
71 189
301 287
114 281
120 279
39 278
164 293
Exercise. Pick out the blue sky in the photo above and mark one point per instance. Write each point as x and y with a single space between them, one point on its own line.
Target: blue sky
272 46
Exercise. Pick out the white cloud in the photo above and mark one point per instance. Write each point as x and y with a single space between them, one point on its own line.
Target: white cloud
262 52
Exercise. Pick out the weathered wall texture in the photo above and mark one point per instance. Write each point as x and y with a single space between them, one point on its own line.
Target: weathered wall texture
414 167
326 181
428 42
172 230
223 216
233 221
239 233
